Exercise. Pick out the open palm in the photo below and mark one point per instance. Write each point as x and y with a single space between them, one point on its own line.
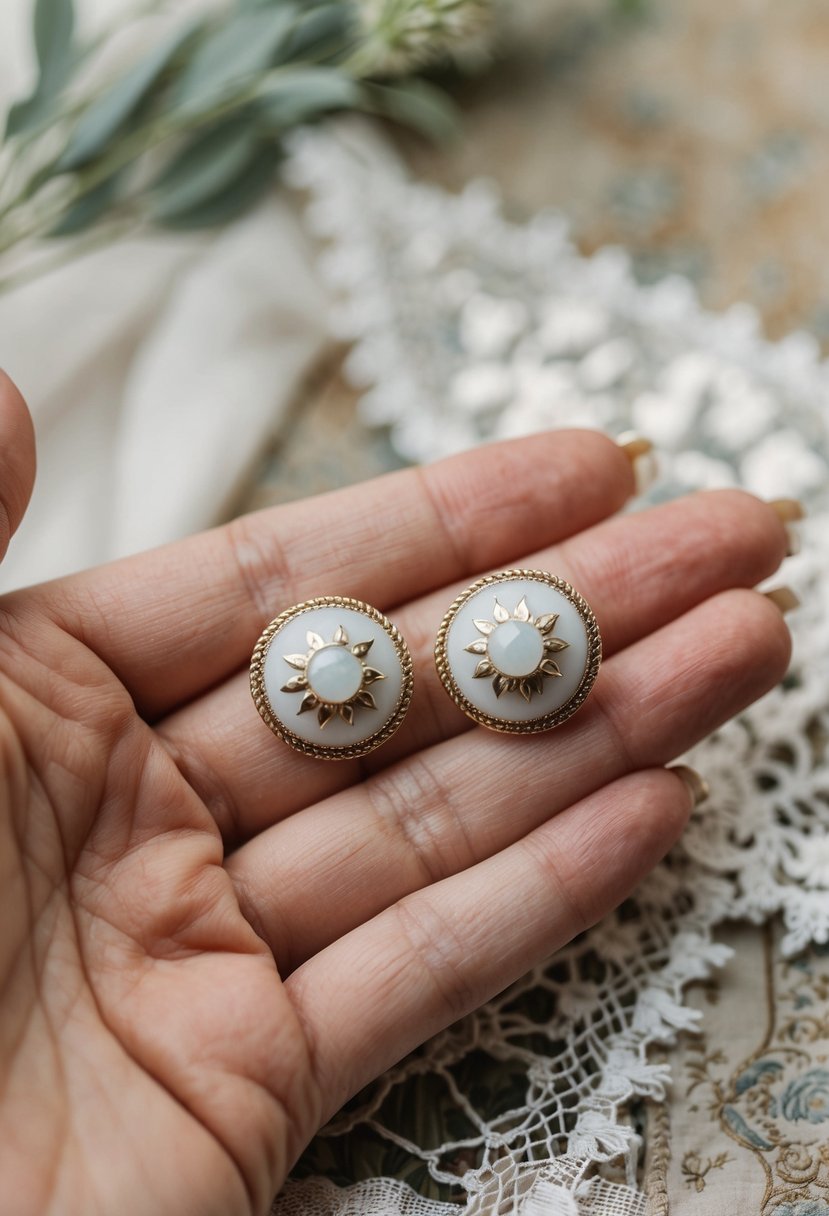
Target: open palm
208 941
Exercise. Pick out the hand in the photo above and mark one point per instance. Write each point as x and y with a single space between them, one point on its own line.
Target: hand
208 941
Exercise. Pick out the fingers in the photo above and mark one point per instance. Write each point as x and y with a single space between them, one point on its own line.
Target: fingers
638 571
197 607
343 861
439 953
17 460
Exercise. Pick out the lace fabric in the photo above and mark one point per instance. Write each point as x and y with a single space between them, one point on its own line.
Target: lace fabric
466 327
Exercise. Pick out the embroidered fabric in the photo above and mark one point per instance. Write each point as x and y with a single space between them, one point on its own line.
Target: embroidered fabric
467 327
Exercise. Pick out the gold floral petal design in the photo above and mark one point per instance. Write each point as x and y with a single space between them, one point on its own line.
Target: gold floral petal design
532 683
547 622
551 645
478 647
326 710
501 684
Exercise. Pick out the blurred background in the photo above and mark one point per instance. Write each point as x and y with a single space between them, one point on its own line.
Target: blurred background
181 373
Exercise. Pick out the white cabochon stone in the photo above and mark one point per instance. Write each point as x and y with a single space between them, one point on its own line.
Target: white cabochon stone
516 648
291 639
334 674
541 599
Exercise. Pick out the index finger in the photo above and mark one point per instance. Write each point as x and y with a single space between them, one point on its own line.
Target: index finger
174 621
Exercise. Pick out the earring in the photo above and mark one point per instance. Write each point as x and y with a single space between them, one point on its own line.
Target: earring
519 651
332 677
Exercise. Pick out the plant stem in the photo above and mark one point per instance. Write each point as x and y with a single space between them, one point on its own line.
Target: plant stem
145 9
142 140
97 239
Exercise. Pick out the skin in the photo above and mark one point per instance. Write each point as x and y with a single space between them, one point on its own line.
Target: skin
208 941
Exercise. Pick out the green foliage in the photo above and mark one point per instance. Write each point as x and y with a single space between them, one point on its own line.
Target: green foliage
110 113
54 25
419 105
205 169
188 134
89 208
233 54
237 197
324 26
300 94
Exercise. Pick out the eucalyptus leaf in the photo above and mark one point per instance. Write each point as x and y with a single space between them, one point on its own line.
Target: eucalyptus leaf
239 50
416 104
89 208
238 198
297 94
106 117
324 29
208 165
54 25
25 114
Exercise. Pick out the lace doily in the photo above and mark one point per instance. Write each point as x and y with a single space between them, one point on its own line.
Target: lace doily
467 327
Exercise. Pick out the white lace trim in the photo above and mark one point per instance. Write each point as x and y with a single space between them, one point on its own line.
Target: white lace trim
467 327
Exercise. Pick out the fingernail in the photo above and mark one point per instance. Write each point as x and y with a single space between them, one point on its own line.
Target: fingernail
792 541
783 598
697 786
789 511
642 457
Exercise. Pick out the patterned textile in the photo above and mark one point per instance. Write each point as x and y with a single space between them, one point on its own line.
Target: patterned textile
746 1127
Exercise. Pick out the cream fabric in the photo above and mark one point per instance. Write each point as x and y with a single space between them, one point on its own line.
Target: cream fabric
156 369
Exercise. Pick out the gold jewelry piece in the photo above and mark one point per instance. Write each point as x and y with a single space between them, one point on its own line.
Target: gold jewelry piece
332 677
519 651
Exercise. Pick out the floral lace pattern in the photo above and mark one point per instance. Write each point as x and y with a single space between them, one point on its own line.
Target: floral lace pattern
467 328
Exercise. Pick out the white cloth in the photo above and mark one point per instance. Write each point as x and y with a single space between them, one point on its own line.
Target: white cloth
156 369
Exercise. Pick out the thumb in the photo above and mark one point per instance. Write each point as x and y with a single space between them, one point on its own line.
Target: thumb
17 460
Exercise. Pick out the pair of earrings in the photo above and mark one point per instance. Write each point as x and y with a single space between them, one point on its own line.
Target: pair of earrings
517 651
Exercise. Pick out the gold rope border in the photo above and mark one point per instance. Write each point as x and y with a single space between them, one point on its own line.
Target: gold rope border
321 751
555 717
